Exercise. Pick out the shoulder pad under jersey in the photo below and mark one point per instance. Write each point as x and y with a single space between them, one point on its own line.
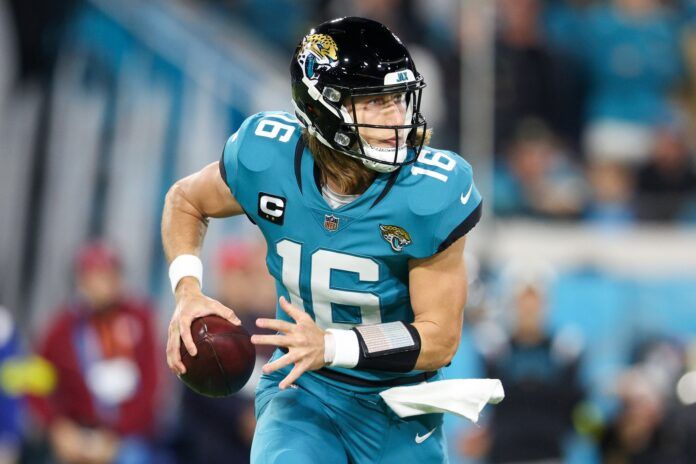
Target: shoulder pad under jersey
442 192
257 144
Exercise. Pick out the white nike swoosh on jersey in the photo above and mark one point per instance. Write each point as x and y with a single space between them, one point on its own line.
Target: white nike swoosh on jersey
420 439
465 198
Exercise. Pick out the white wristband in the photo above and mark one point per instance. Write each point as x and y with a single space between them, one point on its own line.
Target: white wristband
329 347
185 266
346 349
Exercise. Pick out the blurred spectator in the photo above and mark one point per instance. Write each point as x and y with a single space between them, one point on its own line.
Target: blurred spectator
102 346
441 21
611 202
10 402
682 432
563 24
666 183
650 425
635 436
532 80
689 46
681 428
634 60
540 372
220 430
537 178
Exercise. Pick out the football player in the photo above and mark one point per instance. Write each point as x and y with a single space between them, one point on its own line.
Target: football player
365 226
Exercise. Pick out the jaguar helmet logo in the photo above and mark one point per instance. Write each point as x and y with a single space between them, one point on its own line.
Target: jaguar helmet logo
395 236
317 53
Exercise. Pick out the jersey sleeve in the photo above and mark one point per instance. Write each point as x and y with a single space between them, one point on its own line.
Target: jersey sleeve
257 156
229 161
463 211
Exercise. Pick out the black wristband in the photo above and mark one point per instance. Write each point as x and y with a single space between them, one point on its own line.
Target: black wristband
401 359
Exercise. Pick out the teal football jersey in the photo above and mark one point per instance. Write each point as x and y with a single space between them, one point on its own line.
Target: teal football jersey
346 266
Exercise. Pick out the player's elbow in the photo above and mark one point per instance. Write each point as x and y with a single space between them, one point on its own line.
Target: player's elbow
450 348
173 196
444 349
177 199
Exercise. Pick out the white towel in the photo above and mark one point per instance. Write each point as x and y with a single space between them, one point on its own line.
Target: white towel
464 397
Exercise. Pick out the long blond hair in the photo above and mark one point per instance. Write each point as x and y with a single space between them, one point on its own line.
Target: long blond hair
350 174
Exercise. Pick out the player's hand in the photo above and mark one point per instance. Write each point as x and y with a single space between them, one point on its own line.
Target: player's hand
100 446
74 444
66 440
190 304
304 341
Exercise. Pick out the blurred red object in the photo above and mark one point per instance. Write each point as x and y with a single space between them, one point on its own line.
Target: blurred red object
235 255
96 255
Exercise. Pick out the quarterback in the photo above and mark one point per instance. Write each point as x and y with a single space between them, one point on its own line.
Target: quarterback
365 225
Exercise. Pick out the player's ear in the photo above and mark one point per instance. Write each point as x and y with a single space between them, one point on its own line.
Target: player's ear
348 104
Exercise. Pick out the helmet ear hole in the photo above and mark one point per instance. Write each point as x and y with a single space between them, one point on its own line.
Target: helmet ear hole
342 139
346 138
331 94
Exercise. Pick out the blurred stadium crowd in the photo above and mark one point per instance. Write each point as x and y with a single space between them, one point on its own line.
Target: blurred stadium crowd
595 110
582 296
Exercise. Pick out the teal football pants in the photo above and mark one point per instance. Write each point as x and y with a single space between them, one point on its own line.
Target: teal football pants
317 422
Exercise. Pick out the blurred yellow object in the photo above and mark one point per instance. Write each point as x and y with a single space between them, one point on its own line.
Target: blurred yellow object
587 419
30 375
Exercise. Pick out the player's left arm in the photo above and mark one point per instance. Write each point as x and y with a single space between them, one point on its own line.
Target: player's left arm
438 287
438 291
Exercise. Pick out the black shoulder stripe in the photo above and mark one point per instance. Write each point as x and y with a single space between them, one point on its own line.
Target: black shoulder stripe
463 228
317 176
387 188
223 171
299 149
250 218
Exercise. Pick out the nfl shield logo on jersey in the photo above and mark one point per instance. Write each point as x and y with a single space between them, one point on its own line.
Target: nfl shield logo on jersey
331 222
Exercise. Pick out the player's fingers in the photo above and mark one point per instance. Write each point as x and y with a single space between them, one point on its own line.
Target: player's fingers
174 358
226 313
294 374
170 359
275 340
290 310
279 363
185 332
173 355
275 324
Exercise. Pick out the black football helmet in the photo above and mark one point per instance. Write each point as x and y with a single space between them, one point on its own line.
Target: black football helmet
350 57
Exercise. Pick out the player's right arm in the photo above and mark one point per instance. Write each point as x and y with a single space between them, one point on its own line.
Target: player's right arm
187 207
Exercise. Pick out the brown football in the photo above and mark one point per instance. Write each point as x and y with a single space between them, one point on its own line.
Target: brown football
225 358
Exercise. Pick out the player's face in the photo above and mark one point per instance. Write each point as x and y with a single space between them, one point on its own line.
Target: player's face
529 311
101 287
383 110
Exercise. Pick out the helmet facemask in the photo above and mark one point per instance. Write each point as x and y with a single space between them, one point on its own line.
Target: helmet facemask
410 134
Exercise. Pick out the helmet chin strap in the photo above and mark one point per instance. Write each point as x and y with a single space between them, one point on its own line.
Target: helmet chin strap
381 153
